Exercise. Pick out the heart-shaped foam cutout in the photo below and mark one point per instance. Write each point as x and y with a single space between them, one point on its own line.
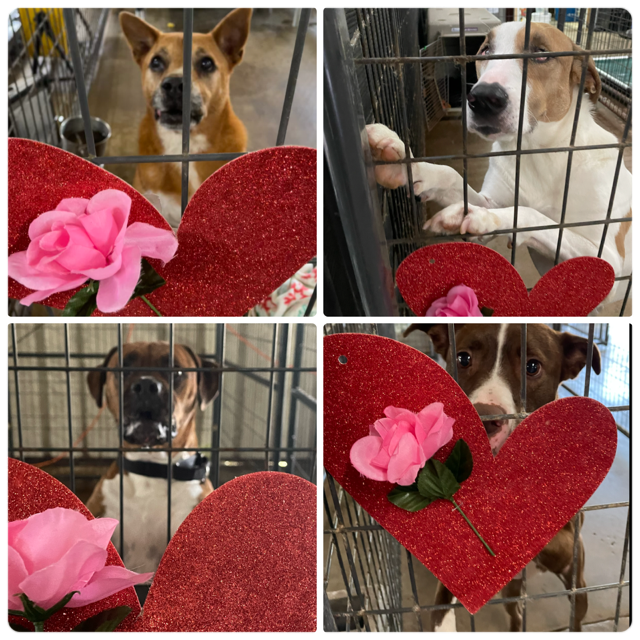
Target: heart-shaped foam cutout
243 560
249 227
572 288
546 471
33 491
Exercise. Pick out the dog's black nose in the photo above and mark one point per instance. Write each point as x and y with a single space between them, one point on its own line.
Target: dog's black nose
146 388
172 87
487 99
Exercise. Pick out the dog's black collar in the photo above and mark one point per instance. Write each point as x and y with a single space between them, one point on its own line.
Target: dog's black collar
195 467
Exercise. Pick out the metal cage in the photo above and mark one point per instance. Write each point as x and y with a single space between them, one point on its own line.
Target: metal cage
263 419
371 581
79 71
373 59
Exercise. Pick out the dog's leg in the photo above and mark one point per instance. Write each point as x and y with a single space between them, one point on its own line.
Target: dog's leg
443 619
582 602
480 220
512 590
433 182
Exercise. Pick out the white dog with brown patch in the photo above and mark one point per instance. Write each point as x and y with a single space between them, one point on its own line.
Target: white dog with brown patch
493 107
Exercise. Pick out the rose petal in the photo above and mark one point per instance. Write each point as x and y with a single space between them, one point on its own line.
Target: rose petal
152 242
114 292
75 205
362 453
105 583
404 464
22 272
17 573
45 221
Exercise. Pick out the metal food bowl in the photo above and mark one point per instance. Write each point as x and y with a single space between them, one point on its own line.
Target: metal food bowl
75 141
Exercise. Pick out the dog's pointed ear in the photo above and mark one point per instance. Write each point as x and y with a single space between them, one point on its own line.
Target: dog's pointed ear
97 379
140 35
232 33
592 84
575 355
208 381
439 334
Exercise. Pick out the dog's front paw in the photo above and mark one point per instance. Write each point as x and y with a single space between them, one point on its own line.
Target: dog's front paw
386 145
447 221
479 221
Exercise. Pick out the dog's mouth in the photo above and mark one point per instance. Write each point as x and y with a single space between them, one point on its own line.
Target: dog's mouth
147 432
172 118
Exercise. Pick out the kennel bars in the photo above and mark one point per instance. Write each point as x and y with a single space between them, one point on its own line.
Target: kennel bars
369 558
282 449
368 55
185 157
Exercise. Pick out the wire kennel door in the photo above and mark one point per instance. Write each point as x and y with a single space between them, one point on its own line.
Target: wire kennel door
42 85
263 419
376 54
370 580
81 82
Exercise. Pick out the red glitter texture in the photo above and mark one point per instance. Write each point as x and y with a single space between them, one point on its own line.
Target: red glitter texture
546 471
33 491
572 288
244 560
248 228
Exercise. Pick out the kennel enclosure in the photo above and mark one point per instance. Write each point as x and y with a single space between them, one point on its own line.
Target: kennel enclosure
372 583
380 66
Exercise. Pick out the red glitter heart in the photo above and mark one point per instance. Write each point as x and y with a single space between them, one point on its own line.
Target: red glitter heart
243 560
571 289
33 491
546 471
248 228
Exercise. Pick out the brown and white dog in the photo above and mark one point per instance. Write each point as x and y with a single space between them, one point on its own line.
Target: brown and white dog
488 363
146 424
214 127
493 107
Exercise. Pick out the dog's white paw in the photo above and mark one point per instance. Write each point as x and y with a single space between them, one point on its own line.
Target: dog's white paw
386 145
479 221
447 221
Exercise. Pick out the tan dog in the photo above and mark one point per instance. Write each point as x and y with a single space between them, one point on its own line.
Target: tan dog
487 359
214 126
146 423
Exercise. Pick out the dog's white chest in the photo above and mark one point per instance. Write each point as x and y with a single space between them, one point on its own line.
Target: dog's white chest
145 515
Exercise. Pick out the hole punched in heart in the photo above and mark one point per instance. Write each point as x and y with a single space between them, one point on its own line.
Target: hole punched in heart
342 359
432 261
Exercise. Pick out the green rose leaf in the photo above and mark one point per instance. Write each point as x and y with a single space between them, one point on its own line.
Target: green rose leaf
460 461
84 302
485 311
149 280
408 498
105 620
435 481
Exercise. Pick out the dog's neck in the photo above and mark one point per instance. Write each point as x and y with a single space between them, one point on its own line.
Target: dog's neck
159 456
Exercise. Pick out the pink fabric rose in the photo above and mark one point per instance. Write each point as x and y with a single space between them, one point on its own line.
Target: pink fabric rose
85 239
399 445
460 302
58 551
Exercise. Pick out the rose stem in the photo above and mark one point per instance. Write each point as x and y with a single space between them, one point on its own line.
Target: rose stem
152 307
38 626
455 504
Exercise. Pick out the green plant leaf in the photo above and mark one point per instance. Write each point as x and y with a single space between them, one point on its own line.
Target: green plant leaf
83 303
149 280
460 461
106 620
435 481
408 498
485 311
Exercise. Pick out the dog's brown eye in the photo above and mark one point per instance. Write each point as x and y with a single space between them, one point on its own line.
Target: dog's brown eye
156 64
207 65
464 359
540 59
533 368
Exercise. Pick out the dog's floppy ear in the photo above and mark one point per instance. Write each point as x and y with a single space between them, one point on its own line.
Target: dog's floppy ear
97 379
592 84
140 35
232 33
439 334
575 355
208 381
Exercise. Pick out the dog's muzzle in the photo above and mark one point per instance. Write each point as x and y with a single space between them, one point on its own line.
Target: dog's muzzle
168 104
487 103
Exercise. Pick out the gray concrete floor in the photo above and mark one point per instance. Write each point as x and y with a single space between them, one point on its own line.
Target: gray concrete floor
446 138
257 84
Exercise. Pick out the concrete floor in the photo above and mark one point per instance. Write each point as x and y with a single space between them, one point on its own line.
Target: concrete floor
603 531
257 84
446 138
